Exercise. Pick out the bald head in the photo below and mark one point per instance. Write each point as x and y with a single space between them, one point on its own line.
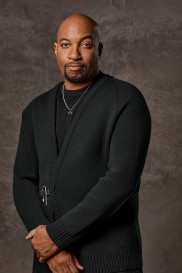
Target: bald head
83 19
78 50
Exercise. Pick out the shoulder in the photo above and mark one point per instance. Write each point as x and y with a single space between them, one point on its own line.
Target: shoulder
130 99
126 89
128 93
40 102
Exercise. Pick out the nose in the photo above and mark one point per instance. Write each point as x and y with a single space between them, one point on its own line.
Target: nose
74 53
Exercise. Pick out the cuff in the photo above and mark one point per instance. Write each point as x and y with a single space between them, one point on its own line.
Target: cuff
59 234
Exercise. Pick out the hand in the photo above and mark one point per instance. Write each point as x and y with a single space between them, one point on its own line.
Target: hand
42 244
64 261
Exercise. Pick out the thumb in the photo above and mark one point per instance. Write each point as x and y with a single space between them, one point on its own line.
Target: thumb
77 263
30 234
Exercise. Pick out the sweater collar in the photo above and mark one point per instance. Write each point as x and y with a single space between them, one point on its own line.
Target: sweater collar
57 158
96 83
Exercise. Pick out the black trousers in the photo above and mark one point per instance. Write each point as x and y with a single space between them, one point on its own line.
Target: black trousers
130 271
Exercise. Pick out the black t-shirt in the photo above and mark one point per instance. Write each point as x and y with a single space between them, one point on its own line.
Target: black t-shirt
71 97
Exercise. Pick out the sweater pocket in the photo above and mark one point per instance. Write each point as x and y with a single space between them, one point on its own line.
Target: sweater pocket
44 197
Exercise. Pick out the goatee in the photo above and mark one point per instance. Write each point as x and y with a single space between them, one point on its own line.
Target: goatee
74 79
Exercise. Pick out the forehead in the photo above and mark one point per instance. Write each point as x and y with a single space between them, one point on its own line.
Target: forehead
75 30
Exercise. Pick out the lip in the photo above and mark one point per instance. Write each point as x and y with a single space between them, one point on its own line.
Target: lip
74 67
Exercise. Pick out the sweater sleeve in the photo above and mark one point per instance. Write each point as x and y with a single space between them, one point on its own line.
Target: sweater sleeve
26 178
127 154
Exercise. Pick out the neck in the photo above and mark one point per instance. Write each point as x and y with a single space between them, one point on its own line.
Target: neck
78 85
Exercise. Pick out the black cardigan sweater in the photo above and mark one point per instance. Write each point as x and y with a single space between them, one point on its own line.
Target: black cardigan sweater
93 181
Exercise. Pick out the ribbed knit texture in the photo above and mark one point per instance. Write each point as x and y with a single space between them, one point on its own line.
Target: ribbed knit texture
103 263
93 179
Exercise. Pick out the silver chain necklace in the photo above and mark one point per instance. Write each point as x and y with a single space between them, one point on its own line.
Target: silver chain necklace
70 109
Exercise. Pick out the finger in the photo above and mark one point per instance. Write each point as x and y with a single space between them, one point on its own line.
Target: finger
62 266
73 268
41 260
51 266
77 262
56 267
30 234
37 255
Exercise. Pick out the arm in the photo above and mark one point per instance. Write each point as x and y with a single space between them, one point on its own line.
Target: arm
26 194
128 149
26 178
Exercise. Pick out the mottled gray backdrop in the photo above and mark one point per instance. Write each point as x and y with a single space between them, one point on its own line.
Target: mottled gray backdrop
143 45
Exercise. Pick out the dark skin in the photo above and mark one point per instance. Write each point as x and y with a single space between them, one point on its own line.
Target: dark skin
77 51
78 44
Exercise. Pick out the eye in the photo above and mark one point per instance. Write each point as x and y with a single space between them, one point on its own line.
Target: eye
64 45
87 45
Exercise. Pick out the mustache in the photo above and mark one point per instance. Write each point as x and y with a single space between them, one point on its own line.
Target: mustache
75 63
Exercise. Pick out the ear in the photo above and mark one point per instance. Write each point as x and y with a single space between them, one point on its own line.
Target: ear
55 48
100 48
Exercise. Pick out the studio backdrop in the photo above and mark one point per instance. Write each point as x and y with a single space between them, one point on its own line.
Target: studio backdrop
142 45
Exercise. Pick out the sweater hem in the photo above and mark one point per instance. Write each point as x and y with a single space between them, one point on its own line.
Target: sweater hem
105 262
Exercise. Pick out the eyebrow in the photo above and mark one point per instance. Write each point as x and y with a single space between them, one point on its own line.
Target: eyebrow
83 38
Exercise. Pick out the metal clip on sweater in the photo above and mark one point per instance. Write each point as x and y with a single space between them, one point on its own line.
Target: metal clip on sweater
44 192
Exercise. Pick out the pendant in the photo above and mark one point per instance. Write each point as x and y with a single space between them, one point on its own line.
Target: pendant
69 112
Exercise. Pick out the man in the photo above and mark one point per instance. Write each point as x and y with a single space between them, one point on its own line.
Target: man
81 152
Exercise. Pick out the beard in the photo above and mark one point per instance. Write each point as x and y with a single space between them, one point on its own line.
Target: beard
82 77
